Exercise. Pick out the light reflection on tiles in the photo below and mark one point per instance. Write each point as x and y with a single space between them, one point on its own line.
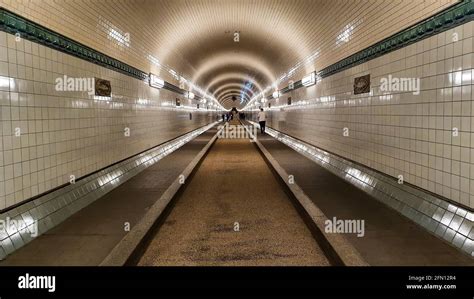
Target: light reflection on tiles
53 208
386 189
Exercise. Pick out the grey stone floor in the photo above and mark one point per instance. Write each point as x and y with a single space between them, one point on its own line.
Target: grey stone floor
233 185
88 236
390 238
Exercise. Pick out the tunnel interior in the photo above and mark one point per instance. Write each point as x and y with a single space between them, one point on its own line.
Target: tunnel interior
236 133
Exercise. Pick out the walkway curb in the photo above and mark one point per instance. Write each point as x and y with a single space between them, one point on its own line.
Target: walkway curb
124 250
336 246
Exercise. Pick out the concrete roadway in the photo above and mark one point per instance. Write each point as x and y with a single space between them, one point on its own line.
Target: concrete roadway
233 187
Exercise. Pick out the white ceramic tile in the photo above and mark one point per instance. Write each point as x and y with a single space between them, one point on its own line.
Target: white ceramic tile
69 133
387 132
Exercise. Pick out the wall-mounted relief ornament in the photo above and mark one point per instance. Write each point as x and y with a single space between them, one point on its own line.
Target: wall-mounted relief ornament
362 84
102 88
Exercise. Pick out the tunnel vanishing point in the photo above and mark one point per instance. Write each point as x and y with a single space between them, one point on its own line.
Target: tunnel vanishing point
236 133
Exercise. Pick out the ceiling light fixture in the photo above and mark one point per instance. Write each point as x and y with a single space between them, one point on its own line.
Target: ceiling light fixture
309 79
156 82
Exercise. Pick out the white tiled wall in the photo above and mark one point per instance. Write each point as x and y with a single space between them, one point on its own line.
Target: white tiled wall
278 35
71 133
398 133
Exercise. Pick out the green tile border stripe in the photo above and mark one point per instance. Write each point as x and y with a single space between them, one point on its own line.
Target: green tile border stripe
453 16
448 18
13 23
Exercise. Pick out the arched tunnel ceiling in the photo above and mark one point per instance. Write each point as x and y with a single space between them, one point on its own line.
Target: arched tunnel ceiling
196 37
273 36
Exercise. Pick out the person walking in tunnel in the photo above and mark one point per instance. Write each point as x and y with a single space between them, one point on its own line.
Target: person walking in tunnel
262 117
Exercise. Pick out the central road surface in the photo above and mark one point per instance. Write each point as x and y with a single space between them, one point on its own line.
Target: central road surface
233 187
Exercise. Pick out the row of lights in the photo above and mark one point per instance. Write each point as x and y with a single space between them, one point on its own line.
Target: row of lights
287 75
344 36
307 81
310 79
159 83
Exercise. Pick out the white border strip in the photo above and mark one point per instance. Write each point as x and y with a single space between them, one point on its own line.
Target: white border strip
347 253
124 249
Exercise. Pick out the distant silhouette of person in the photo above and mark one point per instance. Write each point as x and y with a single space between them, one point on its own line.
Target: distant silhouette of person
223 117
262 118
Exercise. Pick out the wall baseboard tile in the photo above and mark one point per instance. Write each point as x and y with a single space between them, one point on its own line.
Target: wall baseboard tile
452 223
53 208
